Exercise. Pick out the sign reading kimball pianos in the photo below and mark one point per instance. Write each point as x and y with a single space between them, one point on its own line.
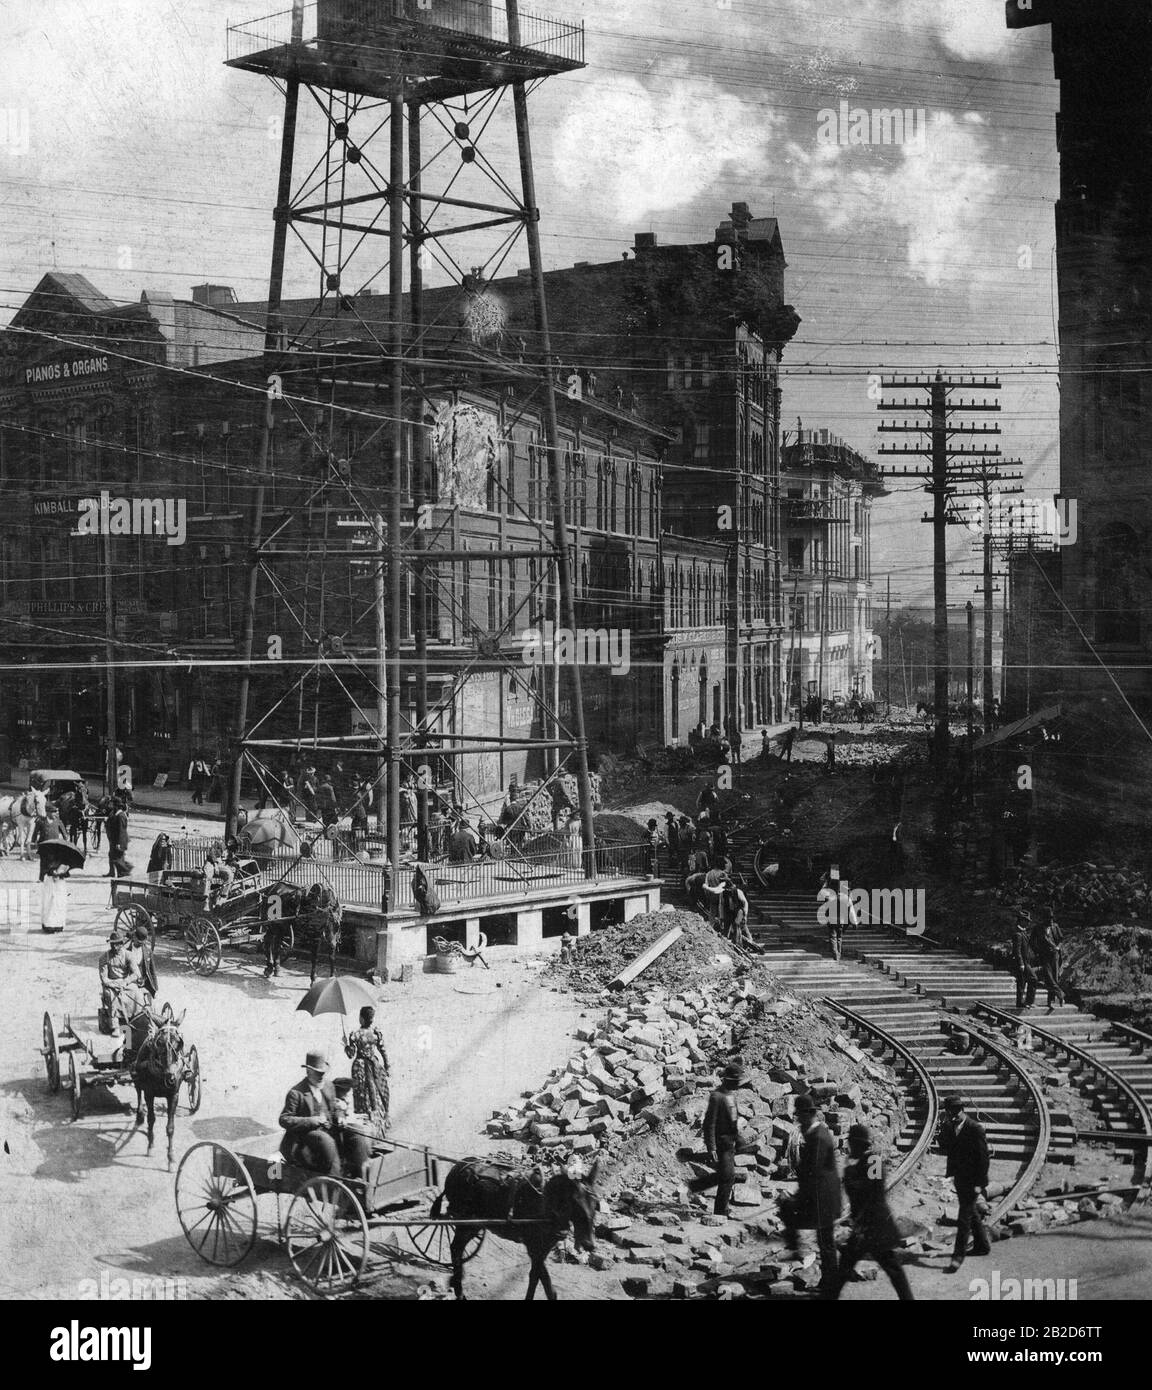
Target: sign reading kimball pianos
72 369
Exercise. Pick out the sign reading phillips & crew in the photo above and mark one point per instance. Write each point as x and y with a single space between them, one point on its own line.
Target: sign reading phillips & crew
78 368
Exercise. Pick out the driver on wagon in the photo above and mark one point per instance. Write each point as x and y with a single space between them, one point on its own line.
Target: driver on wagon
120 980
314 1133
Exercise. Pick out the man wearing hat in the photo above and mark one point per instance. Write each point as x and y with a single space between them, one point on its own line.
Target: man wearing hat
119 975
721 1124
311 1120
875 1234
1023 966
964 1143
140 950
819 1198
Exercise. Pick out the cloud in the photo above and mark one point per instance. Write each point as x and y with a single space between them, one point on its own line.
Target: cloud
645 151
935 195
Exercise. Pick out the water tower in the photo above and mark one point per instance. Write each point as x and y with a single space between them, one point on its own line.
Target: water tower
401 121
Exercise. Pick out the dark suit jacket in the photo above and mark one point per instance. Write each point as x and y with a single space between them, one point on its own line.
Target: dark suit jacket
820 1194
721 1119
872 1218
301 1111
967 1153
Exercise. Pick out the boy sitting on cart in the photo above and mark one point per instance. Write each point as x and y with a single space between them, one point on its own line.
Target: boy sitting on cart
315 1135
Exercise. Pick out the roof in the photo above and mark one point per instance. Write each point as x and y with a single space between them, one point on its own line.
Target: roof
55 774
82 290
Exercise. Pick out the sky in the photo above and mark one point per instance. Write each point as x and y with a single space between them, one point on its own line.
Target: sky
136 157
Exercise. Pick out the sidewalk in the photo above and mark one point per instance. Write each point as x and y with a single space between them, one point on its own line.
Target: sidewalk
160 800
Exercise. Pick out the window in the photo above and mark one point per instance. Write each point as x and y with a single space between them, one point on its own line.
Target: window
511 608
612 500
510 475
702 441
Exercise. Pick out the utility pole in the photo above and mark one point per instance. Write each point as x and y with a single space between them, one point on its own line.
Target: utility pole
110 768
823 631
971 615
888 643
948 461
793 673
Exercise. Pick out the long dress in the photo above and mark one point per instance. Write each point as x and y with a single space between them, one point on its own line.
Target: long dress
370 1088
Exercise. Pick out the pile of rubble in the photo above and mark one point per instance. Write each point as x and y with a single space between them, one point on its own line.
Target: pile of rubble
1093 893
698 953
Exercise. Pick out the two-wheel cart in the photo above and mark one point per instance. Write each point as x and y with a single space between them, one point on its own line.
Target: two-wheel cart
325 1224
103 1061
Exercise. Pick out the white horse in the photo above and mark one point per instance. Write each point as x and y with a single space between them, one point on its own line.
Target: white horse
18 817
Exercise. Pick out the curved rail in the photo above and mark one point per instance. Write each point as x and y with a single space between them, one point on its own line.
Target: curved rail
1039 1157
1136 1101
911 1160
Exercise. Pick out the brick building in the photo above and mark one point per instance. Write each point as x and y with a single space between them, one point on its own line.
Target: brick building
828 490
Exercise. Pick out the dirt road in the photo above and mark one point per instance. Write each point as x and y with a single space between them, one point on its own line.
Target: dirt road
81 1200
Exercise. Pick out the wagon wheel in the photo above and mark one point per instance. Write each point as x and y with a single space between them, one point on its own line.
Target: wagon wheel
51 1055
192 1078
203 943
435 1243
326 1234
216 1203
74 1085
131 916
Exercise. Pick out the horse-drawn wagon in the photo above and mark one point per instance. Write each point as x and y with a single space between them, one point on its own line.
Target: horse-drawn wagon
242 914
328 1223
150 1056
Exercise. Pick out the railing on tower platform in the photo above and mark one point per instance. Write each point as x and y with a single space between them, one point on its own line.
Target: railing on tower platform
480 26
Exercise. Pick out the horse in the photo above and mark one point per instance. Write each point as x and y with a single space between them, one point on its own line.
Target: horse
158 1069
19 814
478 1190
71 810
323 914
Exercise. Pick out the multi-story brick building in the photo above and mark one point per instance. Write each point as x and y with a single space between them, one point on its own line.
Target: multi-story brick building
829 489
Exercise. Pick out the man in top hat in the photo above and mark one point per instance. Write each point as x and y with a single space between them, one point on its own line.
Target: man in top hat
314 1136
875 1234
721 1124
819 1198
964 1143
1045 940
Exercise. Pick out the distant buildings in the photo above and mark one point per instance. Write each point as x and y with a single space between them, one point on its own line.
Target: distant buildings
828 490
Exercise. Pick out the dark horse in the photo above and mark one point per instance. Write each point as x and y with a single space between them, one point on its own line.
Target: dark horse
478 1190
159 1069
72 812
316 913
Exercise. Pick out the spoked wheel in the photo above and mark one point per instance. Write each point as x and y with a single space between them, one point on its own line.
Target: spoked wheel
203 945
51 1055
131 916
435 1243
216 1203
767 867
74 1085
326 1234
192 1079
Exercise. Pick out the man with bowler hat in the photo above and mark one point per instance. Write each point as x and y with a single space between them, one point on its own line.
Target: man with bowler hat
721 1123
819 1198
966 1147
314 1136
875 1234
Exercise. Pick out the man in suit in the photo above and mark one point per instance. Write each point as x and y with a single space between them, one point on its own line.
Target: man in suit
1023 966
875 1234
819 1197
964 1143
721 1125
116 833
312 1121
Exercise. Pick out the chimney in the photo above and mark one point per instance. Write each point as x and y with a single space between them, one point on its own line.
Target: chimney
644 241
740 216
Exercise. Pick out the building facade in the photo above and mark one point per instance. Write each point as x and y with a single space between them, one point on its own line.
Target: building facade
829 488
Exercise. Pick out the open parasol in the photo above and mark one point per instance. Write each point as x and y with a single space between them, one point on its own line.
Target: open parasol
56 853
341 994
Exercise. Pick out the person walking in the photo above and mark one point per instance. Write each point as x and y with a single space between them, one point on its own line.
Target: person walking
197 778
652 843
672 839
1023 965
965 1146
687 839
116 831
875 1235
819 1197
1045 941
836 909
370 1071
721 1131
786 744
161 856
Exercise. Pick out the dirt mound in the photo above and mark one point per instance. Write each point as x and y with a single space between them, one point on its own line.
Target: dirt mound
1112 960
699 953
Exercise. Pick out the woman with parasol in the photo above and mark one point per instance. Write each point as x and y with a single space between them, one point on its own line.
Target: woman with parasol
57 858
340 994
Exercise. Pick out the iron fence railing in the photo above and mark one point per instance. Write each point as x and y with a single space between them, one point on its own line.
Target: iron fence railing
359 21
356 884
